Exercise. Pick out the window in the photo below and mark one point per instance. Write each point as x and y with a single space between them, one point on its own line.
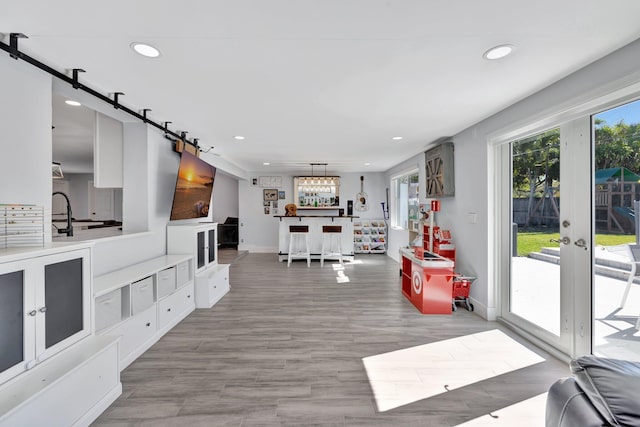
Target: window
405 200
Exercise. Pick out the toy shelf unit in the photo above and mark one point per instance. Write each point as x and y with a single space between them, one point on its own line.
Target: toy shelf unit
142 302
21 225
370 236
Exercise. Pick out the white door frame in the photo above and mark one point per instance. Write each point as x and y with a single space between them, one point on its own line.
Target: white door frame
576 270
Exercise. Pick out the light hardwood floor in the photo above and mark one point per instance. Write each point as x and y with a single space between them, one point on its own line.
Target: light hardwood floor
285 347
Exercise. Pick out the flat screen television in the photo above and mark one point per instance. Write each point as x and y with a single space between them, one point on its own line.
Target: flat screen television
193 188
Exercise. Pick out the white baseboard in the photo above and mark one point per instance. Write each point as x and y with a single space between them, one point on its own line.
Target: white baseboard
100 407
487 313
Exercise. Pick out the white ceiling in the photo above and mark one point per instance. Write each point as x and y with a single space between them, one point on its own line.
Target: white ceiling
321 80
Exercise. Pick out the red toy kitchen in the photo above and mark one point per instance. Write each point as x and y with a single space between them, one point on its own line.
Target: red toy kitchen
428 277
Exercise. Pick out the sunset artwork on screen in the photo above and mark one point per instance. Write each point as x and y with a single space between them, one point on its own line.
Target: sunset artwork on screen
193 188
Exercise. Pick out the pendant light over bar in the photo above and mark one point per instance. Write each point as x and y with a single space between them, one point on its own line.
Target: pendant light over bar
14 52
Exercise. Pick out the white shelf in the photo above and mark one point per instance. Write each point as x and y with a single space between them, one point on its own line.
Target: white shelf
142 302
111 281
370 236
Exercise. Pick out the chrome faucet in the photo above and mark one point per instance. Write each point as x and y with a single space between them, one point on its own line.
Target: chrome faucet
69 229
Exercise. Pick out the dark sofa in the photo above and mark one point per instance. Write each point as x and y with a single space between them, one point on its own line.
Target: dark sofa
601 392
228 233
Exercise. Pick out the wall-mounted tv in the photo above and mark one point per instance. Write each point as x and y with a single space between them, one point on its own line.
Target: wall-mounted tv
193 188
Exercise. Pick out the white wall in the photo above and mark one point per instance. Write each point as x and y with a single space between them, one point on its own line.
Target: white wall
259 232
25 164
474 176
151 168
25 126
224 199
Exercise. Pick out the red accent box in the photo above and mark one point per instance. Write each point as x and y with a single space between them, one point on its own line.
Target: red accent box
431 289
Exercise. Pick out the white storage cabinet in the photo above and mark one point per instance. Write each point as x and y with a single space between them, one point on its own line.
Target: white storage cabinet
45 306
199 239
212 285
142 302
46 316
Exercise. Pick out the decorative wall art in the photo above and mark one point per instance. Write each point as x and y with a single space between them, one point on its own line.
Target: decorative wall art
270 181
270 195
439 170
362 198
281 195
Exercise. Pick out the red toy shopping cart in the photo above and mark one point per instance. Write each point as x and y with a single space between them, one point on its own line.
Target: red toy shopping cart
461 288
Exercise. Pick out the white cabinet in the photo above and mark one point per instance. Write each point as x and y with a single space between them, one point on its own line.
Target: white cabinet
71 389
150 298
370 236
45 305
211 285
46 312
199 239
171 309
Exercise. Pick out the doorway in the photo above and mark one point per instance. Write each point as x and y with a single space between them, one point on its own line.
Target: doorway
549 271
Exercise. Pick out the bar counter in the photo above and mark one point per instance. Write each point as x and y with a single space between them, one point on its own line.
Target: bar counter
315 223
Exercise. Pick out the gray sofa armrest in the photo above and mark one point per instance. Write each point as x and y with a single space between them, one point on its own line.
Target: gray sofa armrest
569 406
612 386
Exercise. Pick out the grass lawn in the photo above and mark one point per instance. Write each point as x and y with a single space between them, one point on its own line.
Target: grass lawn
533 241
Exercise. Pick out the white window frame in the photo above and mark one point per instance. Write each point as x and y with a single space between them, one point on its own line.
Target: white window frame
397 201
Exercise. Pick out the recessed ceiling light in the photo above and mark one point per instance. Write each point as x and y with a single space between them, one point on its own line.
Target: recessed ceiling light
367 164
145 50
73 103
498 52
266 163
397 138
238 137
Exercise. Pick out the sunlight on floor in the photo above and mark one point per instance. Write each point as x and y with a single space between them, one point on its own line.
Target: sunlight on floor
528 413
412 374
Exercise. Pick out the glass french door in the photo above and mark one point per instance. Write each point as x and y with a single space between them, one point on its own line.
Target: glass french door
549 272
616 299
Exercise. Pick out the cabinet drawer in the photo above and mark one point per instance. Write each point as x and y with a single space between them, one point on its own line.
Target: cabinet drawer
141 295
219 285
166 282
135 331
182 273
108 309
174 305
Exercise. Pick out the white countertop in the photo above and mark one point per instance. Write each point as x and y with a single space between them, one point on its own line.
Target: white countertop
434 260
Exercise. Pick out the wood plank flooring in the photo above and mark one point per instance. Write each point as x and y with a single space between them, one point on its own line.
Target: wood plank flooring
285 348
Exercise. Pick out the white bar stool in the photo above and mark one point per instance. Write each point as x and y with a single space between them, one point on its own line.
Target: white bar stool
297 233
329 232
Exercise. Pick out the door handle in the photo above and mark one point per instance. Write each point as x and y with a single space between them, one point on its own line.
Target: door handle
581 244
565 240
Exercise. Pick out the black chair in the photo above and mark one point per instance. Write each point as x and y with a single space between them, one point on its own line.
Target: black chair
228 233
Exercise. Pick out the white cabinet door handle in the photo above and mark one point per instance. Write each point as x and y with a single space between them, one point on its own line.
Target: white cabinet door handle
42 309
32 313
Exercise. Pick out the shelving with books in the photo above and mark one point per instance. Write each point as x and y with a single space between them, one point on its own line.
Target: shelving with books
370 236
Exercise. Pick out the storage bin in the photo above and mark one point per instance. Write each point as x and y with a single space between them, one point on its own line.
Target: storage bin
166 282
141 295
108 309
182 274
